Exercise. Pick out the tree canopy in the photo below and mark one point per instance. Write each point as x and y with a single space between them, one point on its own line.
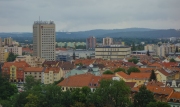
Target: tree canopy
108 72
11 57
172 60
132 69
119 69
153 76
143 97
148 54
134 60
158 104
7 89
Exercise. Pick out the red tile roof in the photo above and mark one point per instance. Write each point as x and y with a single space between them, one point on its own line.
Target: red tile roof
33 69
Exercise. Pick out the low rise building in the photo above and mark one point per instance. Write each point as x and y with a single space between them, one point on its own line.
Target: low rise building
14 49
36 72
52 74
15 70
33 61
139 78
112 52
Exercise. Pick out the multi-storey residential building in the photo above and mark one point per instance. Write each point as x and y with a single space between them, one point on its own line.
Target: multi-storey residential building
165 49
36 72
33 61
14 49
161 50
0 42
112 52
8 41
3 54
44 39
151 48
15 70
52 74
91 42
107 41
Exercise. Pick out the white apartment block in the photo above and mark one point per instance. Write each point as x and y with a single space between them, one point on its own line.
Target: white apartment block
107 41
161 50
44 40
112 52
14 49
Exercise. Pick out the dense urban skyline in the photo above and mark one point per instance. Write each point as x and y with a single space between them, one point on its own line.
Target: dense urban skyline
79 15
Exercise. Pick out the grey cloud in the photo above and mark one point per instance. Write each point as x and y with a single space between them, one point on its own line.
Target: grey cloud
88 14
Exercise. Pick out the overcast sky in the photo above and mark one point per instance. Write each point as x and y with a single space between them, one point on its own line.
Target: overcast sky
80 15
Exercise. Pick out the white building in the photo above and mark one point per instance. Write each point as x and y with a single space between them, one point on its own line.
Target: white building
44 39
112 52
14 49
107 41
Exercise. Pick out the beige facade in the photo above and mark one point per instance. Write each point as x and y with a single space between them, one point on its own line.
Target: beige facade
31 60
8 41
161 50
112 52
15 49
36 72
0 42
165 49
3 54
107 41
52 74
44 40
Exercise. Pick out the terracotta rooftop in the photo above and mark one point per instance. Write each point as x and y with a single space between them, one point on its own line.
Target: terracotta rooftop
54 69
16 63
33 69
80 80
175 96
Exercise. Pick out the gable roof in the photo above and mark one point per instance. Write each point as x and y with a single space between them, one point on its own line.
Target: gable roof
80 80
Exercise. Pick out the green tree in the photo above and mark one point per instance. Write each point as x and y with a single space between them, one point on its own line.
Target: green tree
57 82
33 101
111 93
153 76
132 69
11 57
30 82
7 89
108 72
79 64
148 54
143 97
133 47
135 61
172 60
19 100
119 69
158 104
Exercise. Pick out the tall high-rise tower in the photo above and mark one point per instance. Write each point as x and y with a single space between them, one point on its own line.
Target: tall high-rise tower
107 41
44 38
91 42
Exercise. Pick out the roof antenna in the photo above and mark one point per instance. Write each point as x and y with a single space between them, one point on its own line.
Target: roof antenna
39 18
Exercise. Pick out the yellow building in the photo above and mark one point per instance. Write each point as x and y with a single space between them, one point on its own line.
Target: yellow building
15 70
52 74
3 54
139 78
162 75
